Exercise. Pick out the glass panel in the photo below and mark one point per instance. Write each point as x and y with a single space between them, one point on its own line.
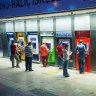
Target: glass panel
46 24
63 23
82 22
19 26
31 25
9 27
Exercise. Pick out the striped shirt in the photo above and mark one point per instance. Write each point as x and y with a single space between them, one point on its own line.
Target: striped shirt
28 51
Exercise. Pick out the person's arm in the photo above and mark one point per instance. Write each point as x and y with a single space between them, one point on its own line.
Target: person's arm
70 53
76 50
31 50
85 49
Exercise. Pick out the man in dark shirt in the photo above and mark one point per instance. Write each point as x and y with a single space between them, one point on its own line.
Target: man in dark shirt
14 54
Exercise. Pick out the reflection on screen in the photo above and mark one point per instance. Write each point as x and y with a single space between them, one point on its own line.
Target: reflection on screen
21 42
48 45
63 44
34 45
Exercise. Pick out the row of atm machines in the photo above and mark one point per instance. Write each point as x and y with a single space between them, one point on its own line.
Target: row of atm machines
24 37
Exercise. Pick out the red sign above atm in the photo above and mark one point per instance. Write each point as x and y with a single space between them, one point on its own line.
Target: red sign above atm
82 34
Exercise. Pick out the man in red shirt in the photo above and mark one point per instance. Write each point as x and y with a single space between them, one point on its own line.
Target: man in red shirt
14 54
44 54
59 55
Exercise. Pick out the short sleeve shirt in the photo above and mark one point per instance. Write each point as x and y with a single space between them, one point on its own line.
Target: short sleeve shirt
43 50
59 49
65 55
13 49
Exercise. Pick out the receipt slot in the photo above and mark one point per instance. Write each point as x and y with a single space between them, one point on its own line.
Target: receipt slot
85 36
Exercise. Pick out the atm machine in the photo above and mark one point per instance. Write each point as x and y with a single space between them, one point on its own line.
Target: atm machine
10 37
65 38
85 37
21 37
50 45
48 37
33 36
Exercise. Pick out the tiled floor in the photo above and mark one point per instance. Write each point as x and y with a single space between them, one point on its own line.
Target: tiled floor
44 81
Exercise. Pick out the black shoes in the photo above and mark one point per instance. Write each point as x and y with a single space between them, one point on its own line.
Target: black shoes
16 66
29 70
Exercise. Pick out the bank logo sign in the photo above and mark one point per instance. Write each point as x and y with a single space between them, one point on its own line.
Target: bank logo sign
9 8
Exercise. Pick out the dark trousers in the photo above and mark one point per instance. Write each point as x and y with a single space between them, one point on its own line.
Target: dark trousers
59 60
45 60
16 58
65 68
81 61
28 64
20 57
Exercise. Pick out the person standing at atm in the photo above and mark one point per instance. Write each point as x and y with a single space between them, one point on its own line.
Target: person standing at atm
59 50
81 51
28 57
14 54
44 54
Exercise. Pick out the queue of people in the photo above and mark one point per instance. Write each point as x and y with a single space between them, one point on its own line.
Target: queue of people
63 56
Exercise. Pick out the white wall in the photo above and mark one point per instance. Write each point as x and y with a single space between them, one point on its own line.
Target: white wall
46 24
9 27
19 26
63 23
31 25
82 22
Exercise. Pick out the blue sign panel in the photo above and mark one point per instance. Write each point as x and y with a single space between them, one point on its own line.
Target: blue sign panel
31 33
10 37
9 8
63 34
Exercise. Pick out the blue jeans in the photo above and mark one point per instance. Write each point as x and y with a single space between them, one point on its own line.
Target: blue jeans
28 61
81 64
59 60
65 68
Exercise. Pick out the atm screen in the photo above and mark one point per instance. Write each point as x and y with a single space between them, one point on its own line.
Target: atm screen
48 45
21 42
34 45
63 44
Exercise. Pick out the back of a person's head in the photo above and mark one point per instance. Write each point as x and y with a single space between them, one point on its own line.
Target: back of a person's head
18 42
29 43
66 45
81 41
13 41
44 43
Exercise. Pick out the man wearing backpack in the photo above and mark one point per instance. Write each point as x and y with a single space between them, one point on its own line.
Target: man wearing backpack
81 50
